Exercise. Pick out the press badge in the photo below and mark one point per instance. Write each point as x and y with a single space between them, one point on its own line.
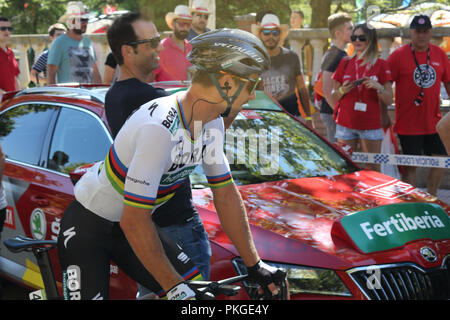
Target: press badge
359 106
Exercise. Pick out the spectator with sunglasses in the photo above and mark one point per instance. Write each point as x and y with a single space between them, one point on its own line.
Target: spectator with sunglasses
418 68
200 15
8 63
173 62
71 57
360 83
284 76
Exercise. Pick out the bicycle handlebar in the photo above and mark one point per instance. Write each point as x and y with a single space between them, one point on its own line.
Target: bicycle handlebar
216 288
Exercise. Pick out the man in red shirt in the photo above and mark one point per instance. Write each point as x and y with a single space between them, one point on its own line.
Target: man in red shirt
418 68
173 62
8 64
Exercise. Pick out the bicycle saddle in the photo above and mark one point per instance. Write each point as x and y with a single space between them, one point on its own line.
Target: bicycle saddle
21 243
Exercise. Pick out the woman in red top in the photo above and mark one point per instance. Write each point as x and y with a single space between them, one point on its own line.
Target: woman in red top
360 83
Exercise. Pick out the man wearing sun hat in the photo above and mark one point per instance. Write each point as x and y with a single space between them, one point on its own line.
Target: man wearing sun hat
71 57
284 80
200 15
173 62
418 68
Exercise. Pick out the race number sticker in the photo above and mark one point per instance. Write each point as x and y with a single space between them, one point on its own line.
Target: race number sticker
38 295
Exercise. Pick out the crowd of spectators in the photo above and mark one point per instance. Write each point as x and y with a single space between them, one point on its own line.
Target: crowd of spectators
352 93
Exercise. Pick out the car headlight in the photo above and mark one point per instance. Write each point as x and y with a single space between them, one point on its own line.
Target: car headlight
302 280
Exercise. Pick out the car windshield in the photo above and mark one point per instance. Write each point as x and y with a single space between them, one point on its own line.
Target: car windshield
265 144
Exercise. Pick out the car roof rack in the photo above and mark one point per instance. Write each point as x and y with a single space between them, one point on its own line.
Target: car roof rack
63 90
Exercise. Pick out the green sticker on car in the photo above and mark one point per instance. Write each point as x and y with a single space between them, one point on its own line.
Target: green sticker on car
393 226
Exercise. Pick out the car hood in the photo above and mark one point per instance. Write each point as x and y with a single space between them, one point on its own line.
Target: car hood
304 210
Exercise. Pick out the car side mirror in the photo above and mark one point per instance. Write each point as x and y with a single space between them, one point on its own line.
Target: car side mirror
78 172
345 148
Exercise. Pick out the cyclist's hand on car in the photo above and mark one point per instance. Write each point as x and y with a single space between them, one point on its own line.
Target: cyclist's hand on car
272 281
182 291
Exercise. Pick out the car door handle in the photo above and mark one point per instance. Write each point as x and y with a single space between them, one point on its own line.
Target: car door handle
40 200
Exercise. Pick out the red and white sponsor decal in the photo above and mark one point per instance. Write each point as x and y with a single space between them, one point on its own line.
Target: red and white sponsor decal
391 190
250 114
10 220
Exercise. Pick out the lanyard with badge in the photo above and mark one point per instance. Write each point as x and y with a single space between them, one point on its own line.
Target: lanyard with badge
359 105
418 101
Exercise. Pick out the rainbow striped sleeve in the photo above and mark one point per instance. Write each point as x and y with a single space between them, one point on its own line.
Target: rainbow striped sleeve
138 201
115 170
220 181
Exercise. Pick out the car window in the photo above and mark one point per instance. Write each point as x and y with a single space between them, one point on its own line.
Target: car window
79 138
23 130
266 146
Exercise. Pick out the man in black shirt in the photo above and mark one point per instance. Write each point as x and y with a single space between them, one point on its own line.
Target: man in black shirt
341 27
137 57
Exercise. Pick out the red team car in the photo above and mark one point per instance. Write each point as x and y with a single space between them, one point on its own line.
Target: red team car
339 231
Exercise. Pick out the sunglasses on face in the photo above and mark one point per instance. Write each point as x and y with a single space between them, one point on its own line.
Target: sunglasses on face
154 42
361 38
10 29
184 24
204 16
274 32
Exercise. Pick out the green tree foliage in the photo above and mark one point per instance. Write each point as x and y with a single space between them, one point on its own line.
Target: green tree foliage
34 16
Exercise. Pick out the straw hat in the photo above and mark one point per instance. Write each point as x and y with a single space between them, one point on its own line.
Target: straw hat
180 12
271 21
74 9
200 7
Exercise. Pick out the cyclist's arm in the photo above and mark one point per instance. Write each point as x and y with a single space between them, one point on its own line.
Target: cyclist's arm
233 218
141 233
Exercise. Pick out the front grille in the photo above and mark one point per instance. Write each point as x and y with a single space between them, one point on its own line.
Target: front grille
403 282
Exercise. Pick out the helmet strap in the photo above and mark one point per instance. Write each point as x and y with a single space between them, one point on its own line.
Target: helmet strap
226 97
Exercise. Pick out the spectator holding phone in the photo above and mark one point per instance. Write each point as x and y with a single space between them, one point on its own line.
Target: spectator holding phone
360 83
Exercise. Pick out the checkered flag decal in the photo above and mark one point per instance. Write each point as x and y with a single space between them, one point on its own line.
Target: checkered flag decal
447 163
381 158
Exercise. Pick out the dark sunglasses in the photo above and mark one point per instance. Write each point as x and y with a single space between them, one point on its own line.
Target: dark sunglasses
154 42
10 29
274 32
183 24
361 38
202 15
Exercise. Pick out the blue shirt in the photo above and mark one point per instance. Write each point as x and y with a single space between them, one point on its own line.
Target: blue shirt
75 59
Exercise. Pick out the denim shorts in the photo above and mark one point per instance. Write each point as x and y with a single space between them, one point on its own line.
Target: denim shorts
345 133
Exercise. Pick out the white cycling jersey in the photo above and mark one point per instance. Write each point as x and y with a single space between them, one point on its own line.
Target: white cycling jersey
151 156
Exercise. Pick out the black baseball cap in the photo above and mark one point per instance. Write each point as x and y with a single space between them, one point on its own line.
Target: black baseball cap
420 22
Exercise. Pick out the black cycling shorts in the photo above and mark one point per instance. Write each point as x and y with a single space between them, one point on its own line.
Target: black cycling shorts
86 245
428 144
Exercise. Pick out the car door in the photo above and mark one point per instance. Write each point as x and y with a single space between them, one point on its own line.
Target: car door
24 130
79 137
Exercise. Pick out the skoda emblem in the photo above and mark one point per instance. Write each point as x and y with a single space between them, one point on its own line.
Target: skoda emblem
428 254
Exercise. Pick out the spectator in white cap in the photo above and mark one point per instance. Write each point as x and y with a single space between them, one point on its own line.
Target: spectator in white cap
173 62
200 15
284 80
